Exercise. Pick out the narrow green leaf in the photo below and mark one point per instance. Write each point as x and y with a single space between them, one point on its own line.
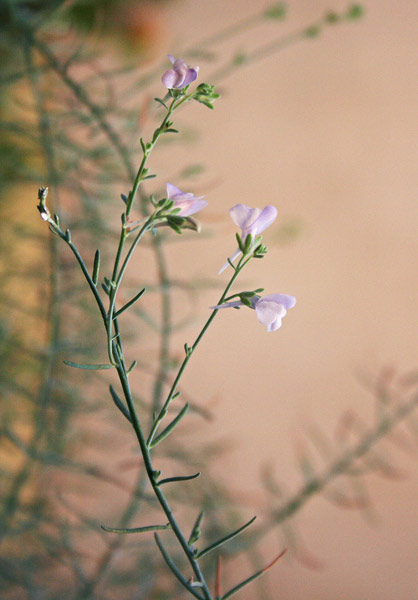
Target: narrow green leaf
129 303
248 243
239 240
169 427
174 569
239 587
121 406
161 102
96 267
132 367
179 478
225 539
99 367
231 264
135 529
195 534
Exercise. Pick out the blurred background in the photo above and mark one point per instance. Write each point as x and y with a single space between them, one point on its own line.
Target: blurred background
317 117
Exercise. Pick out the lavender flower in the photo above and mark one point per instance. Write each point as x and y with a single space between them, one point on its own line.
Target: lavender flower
270 310
187 203
252 221
180 75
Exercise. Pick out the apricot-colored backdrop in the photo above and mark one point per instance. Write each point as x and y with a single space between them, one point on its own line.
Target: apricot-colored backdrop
326 131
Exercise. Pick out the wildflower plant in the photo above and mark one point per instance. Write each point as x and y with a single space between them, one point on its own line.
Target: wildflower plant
59 102
172 211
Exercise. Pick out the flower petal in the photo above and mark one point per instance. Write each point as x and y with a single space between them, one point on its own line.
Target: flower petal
172 190
239 214
265 219
283 299
187 202
274 325
170 79
244 216
268 311
190 76
179 64
190 206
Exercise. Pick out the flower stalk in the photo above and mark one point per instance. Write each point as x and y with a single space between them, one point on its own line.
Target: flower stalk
173 211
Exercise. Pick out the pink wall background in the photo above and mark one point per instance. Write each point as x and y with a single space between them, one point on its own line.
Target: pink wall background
326 131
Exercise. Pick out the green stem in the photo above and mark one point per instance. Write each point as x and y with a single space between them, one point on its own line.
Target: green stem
164 282
116 283
120 367
117 277
154 483
191 349
148 148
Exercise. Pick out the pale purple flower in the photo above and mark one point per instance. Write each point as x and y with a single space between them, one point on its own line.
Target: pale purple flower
252 221
187 202
270 310
180 75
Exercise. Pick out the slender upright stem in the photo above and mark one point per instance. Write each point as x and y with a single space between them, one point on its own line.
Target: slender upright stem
190 350
164 352
153 478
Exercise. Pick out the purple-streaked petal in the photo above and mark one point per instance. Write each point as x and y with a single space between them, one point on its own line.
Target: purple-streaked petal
231 258
283 299
178 64
170 79
190 206
241 214
187 202
180 75
172 190
191 75
274 325
265 219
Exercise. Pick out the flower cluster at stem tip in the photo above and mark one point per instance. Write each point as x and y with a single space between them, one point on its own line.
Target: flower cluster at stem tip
180 75
269 309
